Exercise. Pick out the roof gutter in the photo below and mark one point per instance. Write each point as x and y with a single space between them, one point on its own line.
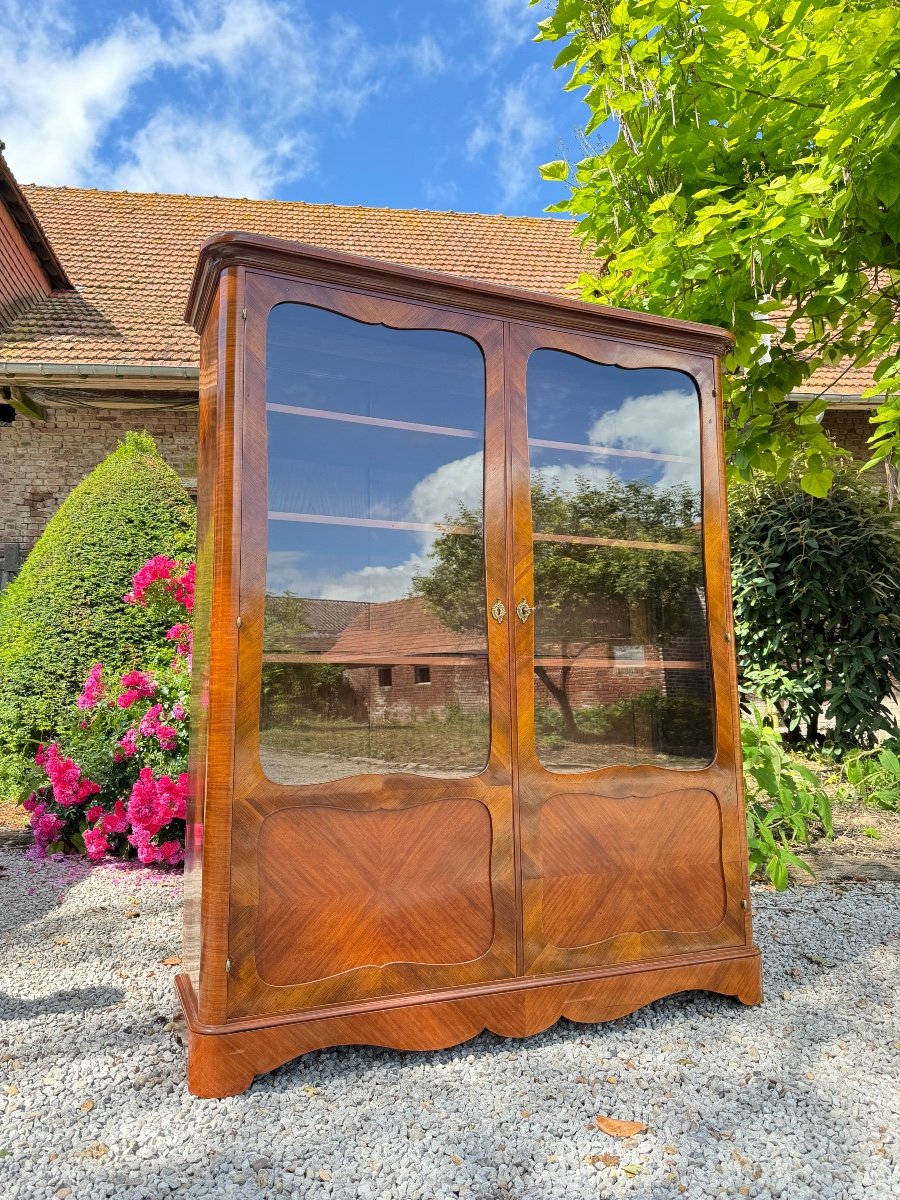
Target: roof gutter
149 376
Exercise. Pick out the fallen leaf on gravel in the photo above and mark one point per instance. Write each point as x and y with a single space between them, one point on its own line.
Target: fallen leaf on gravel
611 1079
324 1175
621 1129
12 1090
4 1153
174 960
608 1160
632 1169
95 1150
525 1113
87 1105
456 1160
670 1149
310 1090
129 915
630 1064
686 1062
60 941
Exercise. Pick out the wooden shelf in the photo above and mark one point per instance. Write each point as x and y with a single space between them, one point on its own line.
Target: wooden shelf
388 659
625 664
371 523
605 451
379 422
578 540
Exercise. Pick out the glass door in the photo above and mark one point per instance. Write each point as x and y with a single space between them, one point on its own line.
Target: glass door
622 800
373 789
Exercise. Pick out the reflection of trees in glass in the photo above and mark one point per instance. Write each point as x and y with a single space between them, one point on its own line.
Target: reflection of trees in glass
577 585
288 688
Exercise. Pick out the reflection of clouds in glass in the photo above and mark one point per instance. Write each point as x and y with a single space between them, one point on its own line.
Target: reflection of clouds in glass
282 570
565 474
373 584
438 495
665 423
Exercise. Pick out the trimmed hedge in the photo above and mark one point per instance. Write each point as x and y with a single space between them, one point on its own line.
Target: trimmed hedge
64 611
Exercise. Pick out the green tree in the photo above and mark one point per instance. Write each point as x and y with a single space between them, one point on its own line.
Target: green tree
64 611
753 170
816 581
577 584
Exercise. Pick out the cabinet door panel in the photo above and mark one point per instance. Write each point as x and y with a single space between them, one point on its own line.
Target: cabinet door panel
627 787
373 801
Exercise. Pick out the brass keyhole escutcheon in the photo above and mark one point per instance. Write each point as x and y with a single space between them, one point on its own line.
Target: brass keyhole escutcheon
498 611
523 610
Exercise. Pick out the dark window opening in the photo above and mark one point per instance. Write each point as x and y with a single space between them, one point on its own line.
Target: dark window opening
423 674
385 677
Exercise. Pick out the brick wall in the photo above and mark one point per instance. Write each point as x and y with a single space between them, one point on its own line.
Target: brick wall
851 430
41 461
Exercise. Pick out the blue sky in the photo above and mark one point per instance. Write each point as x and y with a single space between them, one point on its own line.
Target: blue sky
402 103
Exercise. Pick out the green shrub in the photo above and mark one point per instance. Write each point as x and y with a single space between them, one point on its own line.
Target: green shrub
785 802
64 611
816 582
875 776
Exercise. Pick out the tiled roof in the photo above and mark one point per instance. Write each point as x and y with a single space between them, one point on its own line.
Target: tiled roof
398 629
131 257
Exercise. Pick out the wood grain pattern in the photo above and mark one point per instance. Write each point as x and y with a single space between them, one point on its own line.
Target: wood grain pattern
370 888
602 874
413 911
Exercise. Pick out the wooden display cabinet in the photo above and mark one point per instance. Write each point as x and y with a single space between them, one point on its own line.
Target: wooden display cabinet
464 744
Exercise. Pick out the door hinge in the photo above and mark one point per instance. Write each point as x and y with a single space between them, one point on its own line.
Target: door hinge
244 314
227 966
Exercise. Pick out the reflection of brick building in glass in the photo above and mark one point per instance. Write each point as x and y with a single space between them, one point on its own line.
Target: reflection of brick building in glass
425 668
400 663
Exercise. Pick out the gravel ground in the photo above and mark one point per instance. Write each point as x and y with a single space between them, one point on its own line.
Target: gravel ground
798 1098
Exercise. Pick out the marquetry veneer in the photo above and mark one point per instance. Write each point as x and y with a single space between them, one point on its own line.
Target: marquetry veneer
579 849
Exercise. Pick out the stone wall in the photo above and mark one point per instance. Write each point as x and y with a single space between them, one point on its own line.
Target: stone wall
41 461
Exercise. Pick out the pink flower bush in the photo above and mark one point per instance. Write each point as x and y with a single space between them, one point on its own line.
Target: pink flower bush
164 571
120 785
93 688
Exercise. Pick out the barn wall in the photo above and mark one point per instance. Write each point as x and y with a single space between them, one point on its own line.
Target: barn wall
41 461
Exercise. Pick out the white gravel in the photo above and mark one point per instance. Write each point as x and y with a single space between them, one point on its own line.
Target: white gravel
798 1098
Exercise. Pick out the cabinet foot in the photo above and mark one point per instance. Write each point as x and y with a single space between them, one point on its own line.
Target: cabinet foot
223 1060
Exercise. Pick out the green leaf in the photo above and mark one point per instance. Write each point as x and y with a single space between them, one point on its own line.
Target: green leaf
556 172
817 483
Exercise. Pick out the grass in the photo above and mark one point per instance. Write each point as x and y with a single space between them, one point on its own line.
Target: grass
460 743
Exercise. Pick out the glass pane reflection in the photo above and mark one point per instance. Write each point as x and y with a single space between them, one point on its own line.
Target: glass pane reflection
374 643
622 669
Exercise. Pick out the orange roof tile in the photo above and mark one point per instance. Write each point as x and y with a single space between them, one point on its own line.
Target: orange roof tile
132 257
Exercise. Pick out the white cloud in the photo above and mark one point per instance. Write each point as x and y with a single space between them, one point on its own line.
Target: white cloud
509 23
175 153
512 126
258 80
55 99
425 56
438 495
664 423
288 572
